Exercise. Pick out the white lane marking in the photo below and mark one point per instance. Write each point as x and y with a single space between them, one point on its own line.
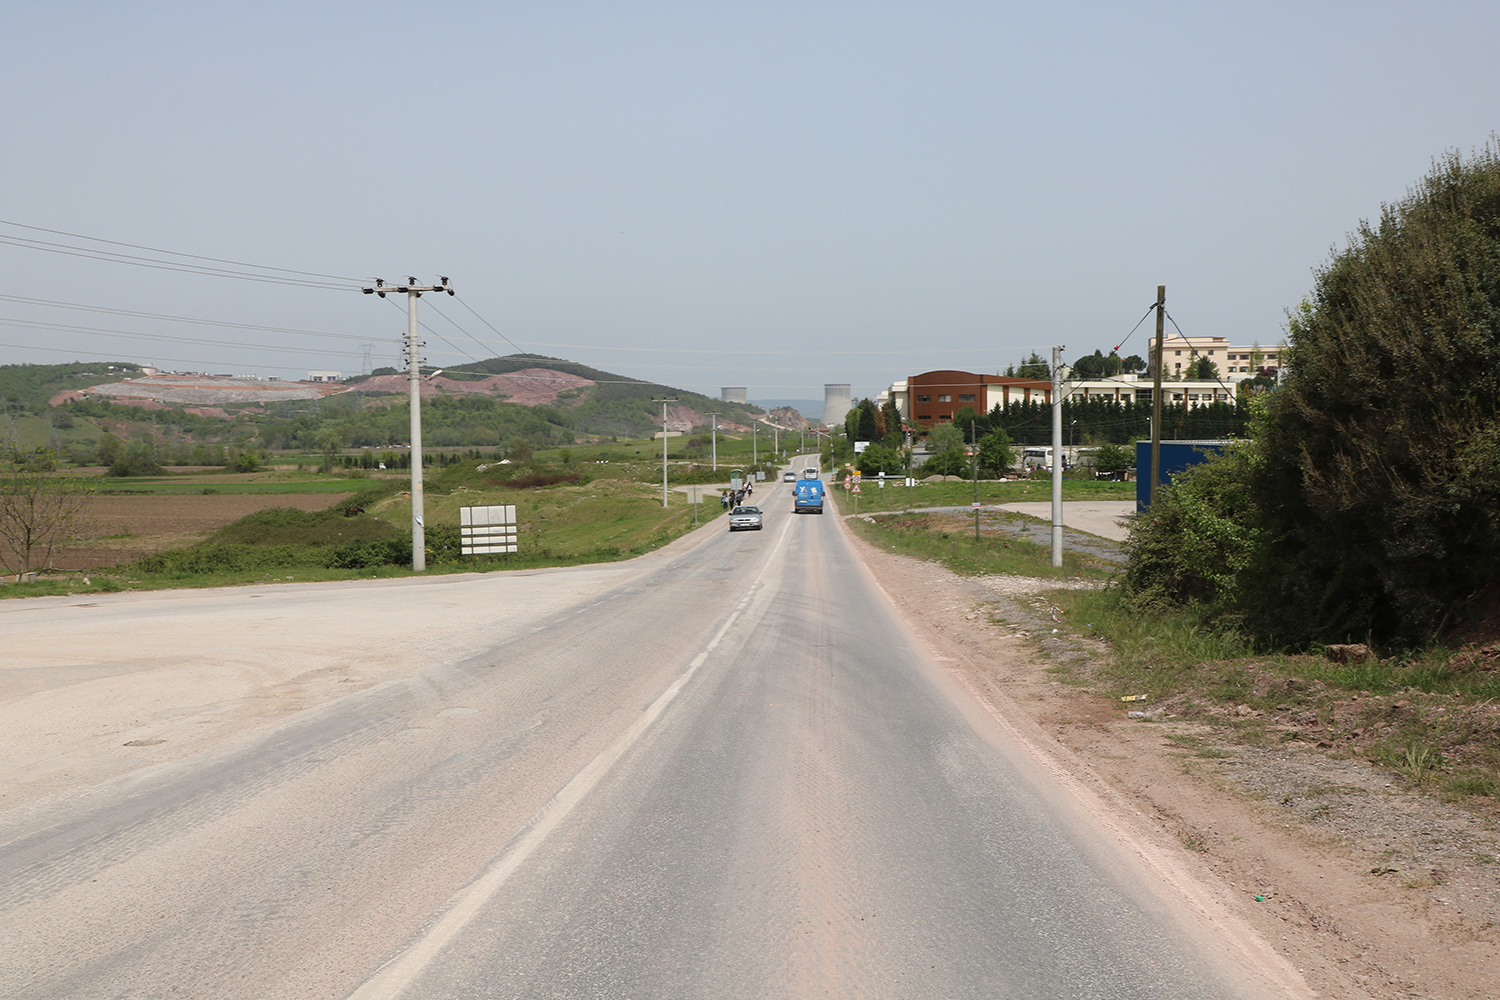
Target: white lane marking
403 970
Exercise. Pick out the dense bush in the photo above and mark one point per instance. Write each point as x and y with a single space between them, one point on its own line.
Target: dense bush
1199 533
1379 483
1369 502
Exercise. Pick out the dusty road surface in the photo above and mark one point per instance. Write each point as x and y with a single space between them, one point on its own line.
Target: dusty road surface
724 770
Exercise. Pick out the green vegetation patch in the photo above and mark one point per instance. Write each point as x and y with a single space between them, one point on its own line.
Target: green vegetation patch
565 519
896 496
184 485
1430 716
949 539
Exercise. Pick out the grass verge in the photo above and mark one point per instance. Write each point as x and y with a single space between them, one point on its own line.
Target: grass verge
1430 716
949 539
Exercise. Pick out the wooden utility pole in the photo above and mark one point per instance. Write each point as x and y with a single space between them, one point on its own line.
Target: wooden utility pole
1156 366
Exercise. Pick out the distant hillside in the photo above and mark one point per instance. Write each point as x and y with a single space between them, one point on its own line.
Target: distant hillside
34 385
496 403
613 404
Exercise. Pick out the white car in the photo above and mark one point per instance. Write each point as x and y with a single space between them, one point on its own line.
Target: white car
745 517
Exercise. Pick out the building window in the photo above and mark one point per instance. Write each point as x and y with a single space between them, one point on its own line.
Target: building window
966 397
945 416
924 399
924 416
945 398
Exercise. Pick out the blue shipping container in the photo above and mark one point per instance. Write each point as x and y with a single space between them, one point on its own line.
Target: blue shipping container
1175 456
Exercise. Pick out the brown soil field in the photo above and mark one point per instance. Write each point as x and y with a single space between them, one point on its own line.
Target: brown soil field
121 528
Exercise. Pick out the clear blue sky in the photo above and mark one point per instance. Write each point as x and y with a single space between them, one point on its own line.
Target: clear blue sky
774 195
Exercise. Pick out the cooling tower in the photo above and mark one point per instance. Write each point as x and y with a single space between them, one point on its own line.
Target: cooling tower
733 394
836 405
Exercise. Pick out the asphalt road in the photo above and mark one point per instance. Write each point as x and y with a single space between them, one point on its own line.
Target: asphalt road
721 771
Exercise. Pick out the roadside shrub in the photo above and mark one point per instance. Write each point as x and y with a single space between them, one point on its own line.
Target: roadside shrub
1190 546
536 480
395 551
290 526
210 558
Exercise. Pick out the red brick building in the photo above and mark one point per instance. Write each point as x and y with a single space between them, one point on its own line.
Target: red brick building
934 397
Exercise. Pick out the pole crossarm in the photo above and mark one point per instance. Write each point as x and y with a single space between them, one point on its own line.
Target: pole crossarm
412 288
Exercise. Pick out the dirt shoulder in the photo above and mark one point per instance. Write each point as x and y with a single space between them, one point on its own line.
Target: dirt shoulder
1368 889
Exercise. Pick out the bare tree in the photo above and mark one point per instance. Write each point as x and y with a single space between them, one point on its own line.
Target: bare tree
40 511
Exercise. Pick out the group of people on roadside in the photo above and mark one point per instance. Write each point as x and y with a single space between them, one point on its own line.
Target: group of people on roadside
730 499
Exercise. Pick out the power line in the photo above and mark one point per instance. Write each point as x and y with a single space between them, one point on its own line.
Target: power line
100 356
165 265
487 323
169 318
168 338
1195 353
176 253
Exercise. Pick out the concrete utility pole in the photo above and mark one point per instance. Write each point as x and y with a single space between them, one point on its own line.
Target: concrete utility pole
1057 457
664 400
974 468
413 291
1161 312
715 416
754 441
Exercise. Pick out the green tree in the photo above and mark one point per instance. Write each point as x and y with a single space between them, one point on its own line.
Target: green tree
109 449
137 458
245 461
1113 458
1090 366
890 425
995 453
1202 369
861 423
877 458
948 458
970 423
1035 367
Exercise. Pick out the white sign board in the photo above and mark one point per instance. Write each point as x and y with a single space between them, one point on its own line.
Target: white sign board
485 531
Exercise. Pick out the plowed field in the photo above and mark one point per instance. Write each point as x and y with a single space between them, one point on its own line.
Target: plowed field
122 528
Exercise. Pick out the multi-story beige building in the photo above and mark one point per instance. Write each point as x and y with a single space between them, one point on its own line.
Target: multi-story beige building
1178 353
